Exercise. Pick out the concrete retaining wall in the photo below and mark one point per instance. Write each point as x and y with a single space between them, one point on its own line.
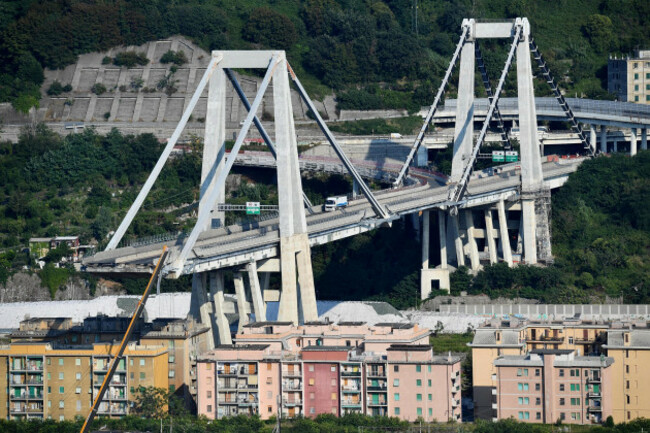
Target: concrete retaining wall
557 310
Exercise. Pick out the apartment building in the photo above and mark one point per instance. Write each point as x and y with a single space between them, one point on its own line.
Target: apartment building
323 368
50 381
183 340
629 77
629 346
498 338
547 385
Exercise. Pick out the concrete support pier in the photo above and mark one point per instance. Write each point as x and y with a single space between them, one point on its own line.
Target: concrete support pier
240 292
644 139
220 321
441 272
489 234
633 142
603 138
471 241
259 307
503 233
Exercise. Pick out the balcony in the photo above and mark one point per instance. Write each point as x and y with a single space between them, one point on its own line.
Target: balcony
379 387
593 395
380 402
351 402
376 373
545 339
494 391
292 387
595 408
594 379
291 401
584 340
455 402
292 373
351 372
350 389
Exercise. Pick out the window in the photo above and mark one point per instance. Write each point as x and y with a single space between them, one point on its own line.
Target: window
538 401
172 359
172 374
142 375
77 390
77 376
430 412
269 409
78 405
575 402
418 382
538 387
397 411
561 387
311 368
334 410
311 381
562 402
419 411
429 382
561 372
333 368
49 389
519 372
525 372
61 404
61 376
570 340
636 76
430 397
60 361
172 388
333 382
49 361
418 368
429 368
575 387
524 400
77 362
142 363
312 396
49 403
171 344
396 382
396 368
636 98
61 390
209 408
312 410
269 380
333 396
562 416
520 415
396 396
49 376
538 415
537 372
418 397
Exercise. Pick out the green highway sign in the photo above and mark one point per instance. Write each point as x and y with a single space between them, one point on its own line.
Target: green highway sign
252 208
512 156
498 156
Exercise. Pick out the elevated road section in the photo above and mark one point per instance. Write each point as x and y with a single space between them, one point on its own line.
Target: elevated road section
238 245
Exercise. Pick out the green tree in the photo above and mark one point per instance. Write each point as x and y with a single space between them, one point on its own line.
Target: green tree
150 402
270 28
599 30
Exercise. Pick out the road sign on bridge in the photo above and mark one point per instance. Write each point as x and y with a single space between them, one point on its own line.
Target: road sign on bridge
252 208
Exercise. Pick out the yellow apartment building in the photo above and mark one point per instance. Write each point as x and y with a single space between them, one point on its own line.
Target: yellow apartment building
50 381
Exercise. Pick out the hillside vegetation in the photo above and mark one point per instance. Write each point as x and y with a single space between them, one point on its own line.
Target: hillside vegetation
371 52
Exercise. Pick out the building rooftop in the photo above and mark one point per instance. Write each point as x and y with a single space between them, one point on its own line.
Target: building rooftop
551 351
242 347
410 348
638 339
327 348
394 325
267 323
351 323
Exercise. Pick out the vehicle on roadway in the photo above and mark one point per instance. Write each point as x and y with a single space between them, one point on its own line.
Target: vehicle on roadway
333 203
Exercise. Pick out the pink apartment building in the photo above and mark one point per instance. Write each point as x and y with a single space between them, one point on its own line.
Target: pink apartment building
547 385
387 369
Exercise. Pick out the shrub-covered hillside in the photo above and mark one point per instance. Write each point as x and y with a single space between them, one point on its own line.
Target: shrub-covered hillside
372 52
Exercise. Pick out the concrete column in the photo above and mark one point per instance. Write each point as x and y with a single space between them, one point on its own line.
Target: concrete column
503 233
425 239
294 243
200 308
615 146
603 138
489 236
464 128
241 300
633 141
531 163
259 307
529 230
308 304
265 278
214 145
355 188
442 234
471 240
460 253
644 139
592 137
220 321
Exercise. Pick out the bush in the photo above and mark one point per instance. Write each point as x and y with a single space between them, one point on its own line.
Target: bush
130 59
106 60
176 57
55 89
98 89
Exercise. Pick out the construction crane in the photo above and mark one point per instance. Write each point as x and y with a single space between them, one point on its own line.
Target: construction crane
129 331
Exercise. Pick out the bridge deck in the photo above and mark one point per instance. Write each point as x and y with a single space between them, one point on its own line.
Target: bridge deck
236 245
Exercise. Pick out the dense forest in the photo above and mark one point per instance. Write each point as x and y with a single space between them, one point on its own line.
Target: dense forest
372 53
